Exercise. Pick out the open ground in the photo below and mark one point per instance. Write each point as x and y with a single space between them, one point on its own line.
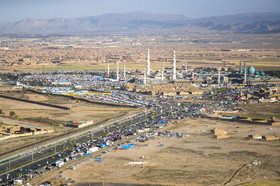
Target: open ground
210 50
260 110
198 159
28 114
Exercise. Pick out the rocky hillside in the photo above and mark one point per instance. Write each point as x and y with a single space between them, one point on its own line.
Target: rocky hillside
141 21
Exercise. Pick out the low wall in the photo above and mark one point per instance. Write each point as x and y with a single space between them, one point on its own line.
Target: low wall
36 102
86 100
244 121
26 134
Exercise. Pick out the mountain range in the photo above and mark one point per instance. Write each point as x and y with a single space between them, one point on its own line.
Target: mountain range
251 23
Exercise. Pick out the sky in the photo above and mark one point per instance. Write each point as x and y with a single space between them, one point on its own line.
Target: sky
16 10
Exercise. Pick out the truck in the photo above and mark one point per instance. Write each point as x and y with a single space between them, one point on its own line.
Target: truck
59 163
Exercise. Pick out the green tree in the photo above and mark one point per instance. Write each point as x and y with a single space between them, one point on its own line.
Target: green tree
1 111
12 113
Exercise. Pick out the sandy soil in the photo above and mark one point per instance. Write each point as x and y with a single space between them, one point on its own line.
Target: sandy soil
196 160
80 111
260 110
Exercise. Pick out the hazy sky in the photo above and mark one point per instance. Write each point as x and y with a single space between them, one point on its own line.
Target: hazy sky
15 10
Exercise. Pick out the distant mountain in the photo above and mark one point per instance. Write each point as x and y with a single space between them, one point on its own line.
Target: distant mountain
242 23
141 21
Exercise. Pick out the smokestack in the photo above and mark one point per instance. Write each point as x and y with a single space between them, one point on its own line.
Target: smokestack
124 72
148 63
174 67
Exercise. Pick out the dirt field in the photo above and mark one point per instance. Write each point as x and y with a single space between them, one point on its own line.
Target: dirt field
80 111
261 110
27 113
196 160
260 49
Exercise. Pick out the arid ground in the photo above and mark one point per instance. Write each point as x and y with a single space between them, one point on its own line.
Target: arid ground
28 114
198 159
224 50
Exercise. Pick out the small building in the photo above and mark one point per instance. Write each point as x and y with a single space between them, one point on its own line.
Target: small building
273 121
255 136
14 130
270 138
168 93
30 129
129 87
220 134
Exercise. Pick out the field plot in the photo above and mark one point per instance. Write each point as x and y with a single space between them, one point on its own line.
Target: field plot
261 110
222 50
198 159
28 114
79 111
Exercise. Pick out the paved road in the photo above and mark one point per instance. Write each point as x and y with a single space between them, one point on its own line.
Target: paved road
50 154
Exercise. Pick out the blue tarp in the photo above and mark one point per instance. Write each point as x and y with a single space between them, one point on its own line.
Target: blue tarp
128 146
98 159
87 154
103 145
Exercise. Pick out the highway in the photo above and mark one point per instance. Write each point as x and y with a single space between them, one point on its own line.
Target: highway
50 154
94 137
